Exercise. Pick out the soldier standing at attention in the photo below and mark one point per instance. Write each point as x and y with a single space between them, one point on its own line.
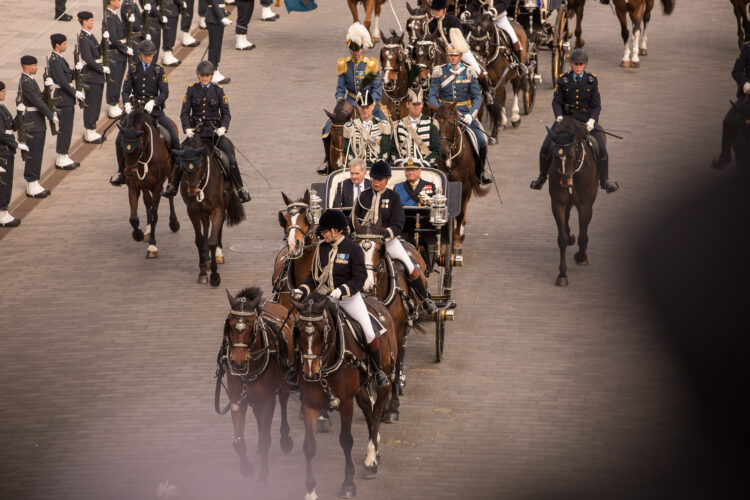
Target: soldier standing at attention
8 146
119 58
216 20
66 95
94 74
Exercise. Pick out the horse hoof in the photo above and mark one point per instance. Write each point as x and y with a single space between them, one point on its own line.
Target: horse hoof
174 225
369 472
152 254
516 123
202 279
219 259
561 281
137 235
580 43
287 443
390 417
642 52
324 424
492 140
581 260
348 491
571 240
215 280
635 64
246 468
625 64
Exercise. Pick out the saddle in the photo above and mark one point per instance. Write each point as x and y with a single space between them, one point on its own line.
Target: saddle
163 132
344 319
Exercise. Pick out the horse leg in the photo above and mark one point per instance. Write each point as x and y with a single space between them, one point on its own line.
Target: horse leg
147 207
365 404
264 417
500 97
580 42
217 220
200 244
174 224
642 48
310 447
375 32
745 24
369 4
372 460
133 195
286 441
571 236
560 212
219 245
151 200
391 413
515 117
458 233
348 488
636 17
621 11
585 212
353 8
238 420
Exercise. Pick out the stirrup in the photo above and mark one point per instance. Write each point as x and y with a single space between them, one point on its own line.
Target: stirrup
169 190
609 185
381 379
117 180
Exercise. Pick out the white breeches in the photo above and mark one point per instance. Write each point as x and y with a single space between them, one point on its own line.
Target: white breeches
469 59
396 251
355 306
504 24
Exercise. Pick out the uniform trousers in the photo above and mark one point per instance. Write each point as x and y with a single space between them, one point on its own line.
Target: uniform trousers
215 37
202 6
6 180
504 24
117 73
186 18
356 308
396 251
66 114
35 141
94 103
59 8
245 10
170 31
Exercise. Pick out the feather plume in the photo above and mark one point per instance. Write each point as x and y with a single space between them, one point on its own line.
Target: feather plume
413 74
368 80
358 34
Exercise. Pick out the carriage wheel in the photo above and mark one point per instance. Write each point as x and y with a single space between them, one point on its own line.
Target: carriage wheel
529 87
439 339
558 51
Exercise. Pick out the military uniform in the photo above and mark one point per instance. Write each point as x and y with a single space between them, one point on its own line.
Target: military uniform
214 14
169 32
348 272
409 191
118 59
144 84
93 74
65 95
369 141
155 27
8 147
741 75
131 8
427 148
35 114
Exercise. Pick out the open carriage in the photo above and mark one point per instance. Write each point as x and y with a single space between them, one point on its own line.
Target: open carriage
429 228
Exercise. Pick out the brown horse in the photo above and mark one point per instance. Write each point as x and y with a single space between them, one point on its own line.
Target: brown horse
573 181
147 164
369 6
575 9
342 113
639 11
416 25
394 63
253 354
428 53
743 25
335 370
457 162
211 200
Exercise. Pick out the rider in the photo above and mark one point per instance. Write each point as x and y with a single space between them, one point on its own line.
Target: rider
339 271
457 83
416 135
577 95
145 83
381 203
499 14
205 111
741 74
367 137
351 70
410 191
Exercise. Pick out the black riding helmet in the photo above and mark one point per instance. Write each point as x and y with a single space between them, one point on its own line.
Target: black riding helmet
333 219
579 56
381 169
147 48
205 68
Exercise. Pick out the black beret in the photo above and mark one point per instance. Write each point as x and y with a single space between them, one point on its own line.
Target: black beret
380 170
333 219
2 86
57 38
84 14
27 60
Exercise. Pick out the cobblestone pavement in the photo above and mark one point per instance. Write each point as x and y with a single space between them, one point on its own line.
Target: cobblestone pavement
106 358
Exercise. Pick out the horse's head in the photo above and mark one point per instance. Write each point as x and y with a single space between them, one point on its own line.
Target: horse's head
342 113
447 117
240 331
567 143
481 36
190 159
315 331
298 224
372 244
425 56
131 141
416 25
393 57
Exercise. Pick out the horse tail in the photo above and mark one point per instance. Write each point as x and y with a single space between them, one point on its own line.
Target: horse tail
478 190
235 210
668 6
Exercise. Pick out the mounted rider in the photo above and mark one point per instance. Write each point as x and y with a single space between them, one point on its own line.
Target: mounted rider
457 83
500 16
367 138
339 272
351 71
577 95
741 75
205 112
145 84
381 203
416 135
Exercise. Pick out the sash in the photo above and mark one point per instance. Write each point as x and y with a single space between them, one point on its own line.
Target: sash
374 146
415 137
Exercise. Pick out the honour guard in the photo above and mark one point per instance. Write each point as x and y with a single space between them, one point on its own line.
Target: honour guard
94 74
367 137
8 146
119 59
169 33
381 203
216 20
66 96
741 75
411 190
416 135
454 82
577 95
339 272
186 20
152 18
205 112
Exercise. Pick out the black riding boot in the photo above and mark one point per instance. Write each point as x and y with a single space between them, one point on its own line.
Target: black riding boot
327 146
726 144
543 168
484 82
517 52
237 179
171 188
415 283
482 175
607 184
119 178
373 349
292 376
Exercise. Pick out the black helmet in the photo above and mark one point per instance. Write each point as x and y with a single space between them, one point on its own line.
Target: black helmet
381 169
333 219
579 56
147 48
205 68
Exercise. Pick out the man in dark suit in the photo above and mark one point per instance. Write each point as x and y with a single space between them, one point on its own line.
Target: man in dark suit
349 190
66 96
94 74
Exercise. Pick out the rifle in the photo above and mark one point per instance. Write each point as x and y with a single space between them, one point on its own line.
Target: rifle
106 52
147 19
163 13
49 100
20 125
129 34
78 76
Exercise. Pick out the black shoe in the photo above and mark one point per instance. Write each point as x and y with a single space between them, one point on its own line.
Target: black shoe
117 180
244 195
14 223
609 185
719 162
64 17
43 194
484 179
538 182
380 379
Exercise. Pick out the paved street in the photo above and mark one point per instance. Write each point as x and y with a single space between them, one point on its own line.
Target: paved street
107 358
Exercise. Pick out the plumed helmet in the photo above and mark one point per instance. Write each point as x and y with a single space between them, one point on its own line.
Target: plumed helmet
579 56
333 219
381 169
147 48
358 37
439 4
364 98
415 96
205 68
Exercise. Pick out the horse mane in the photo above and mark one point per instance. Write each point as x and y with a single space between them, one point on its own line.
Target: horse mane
342 111
135 117
394 38
569 126
250 293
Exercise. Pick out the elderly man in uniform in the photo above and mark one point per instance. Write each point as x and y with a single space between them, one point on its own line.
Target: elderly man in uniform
205 112
454 82
66 96
416 135
8 147
577 95
741 75
367 137
94 74
349 189
119 58
413 190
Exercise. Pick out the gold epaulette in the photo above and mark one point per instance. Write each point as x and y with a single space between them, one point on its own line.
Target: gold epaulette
341 65
191 85
372 64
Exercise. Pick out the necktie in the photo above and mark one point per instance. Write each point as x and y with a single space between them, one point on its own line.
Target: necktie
356 191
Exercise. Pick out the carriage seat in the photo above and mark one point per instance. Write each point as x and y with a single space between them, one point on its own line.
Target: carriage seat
397 177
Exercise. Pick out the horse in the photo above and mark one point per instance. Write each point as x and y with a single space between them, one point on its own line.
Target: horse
638 10
342 114
416 25
211 200
490 44
743 25
741 135
457 162
428 53
334 372
254 351
573 181
147 164
369 6
394 63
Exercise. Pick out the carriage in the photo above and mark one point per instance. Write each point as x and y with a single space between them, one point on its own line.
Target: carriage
430 229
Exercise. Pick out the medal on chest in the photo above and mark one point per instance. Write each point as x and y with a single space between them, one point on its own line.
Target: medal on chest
341 258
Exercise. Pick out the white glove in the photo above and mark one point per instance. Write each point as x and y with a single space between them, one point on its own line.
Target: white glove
746 88
221 131
590 124
131 19
48 82
149 107
105 70
56 120
105 35
226 21
128 108
558 119
148 36
335 293
80 95
467 119
129 51
21 108
147 7
190 132
297 293
164 19
79 65
23 147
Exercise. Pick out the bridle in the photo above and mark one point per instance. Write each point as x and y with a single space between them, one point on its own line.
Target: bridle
415 25
309 329
295 208
256 330
205 176
452 140
140 152
563 159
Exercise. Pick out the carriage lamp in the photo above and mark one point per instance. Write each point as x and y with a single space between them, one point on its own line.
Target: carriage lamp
315 208
438 210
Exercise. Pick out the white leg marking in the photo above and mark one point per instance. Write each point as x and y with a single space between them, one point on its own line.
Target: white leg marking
147 231
311 496
461 230
516 115
636 43
503 116
376 28
378 440
152 248
371 456
626 54
644 38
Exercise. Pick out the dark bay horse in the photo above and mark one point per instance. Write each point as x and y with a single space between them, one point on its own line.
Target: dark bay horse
741 135
575 9
147 164
334 372
639 12
428 53
254 355
342 113
394 64
573 182
416 25
457 162
370 6
743 25
211 200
